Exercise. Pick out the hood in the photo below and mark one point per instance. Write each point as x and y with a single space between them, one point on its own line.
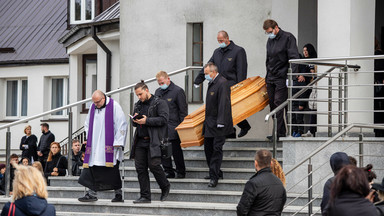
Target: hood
31 205
338 160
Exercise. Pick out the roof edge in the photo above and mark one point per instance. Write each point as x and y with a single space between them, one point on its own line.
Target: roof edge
34 62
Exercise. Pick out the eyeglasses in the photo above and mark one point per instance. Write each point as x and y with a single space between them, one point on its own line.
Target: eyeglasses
269 32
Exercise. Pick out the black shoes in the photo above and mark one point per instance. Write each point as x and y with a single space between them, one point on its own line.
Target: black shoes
180 176
118 198
165 193
169 175
243 132
213 183
220 176
142 200
87 198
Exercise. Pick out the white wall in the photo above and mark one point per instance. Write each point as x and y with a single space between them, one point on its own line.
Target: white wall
38 90
155 39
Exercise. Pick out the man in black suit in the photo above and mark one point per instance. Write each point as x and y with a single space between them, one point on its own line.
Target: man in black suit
218 120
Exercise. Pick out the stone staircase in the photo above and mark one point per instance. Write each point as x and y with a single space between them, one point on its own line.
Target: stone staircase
189 196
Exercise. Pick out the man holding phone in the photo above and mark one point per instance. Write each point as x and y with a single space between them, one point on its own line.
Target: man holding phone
150 130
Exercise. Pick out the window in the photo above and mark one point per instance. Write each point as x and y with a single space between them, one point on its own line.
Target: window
196 55
16 98
89 84
59 95
82 11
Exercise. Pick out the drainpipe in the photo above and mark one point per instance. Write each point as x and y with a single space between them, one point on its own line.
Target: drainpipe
109 58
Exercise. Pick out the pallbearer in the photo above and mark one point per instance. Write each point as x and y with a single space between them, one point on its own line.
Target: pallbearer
218 121
106 127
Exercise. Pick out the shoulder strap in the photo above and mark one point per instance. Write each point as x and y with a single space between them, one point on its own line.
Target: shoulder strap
11 207
57 164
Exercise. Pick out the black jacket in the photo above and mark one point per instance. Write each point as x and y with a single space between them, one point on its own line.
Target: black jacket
58 161
45 141
264 194
350 204
279 51
30 205
11 177
76 163
178 107
157 124
231 62
31 141
218 109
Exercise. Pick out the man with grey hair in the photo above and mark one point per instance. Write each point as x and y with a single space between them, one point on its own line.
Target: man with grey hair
231 61
218 121
264 193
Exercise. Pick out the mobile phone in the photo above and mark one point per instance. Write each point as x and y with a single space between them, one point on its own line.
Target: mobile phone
136 117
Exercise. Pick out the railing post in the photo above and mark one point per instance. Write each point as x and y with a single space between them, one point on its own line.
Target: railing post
69 144
340 101
289 113
330 105
186 80
7 161
345 96
274 136
310 196
131 104
361 149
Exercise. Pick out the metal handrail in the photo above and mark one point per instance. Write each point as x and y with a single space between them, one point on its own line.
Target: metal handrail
347 58
331 140
90 99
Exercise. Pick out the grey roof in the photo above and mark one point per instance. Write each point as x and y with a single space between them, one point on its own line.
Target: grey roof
33 28
111 15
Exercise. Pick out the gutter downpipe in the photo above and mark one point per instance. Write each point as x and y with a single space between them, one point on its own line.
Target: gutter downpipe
109 58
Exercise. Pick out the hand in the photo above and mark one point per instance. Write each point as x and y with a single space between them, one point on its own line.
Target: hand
196 86
85 142
301 78
301 107
39 153
371 196
141 121
55 170
82 157
54 174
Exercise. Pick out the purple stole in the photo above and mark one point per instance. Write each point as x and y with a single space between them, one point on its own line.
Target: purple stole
109 135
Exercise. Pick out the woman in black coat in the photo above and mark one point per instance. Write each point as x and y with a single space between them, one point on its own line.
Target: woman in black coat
57 164
28 144
348 192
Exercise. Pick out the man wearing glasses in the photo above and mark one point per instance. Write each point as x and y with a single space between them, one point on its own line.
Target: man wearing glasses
281 47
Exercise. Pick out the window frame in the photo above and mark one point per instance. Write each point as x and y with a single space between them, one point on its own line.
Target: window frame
19 98
82 12
86 57
65 96
197 63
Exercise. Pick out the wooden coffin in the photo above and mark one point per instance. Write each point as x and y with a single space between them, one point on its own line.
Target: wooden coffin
247 98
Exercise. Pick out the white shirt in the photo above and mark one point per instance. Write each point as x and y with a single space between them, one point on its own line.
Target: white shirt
120 125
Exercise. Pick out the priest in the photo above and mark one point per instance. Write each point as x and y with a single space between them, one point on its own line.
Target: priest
106 127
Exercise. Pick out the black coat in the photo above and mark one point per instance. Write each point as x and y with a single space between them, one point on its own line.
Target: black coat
218 109
157 125
264 194
350 204
11 177
31 141
45 141
60 162
76 163
231 62
279 51
30 205
178 107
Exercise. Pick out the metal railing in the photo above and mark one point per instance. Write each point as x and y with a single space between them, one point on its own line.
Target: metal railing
70 120
337 94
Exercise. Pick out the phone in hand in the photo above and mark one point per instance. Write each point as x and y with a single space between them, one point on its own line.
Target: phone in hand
136 117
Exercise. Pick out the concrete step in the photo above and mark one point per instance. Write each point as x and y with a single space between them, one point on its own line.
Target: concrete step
178 184
250 142
228 162
237 151
199 173
102 207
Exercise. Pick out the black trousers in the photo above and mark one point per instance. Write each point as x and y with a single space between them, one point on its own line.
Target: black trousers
213 148
178 157
278 93
143 161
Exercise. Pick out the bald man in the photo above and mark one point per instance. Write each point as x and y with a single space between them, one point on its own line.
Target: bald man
106 128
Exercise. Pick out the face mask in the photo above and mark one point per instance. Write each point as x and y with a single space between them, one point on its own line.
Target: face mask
222 45
207 77
271 35
164 86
